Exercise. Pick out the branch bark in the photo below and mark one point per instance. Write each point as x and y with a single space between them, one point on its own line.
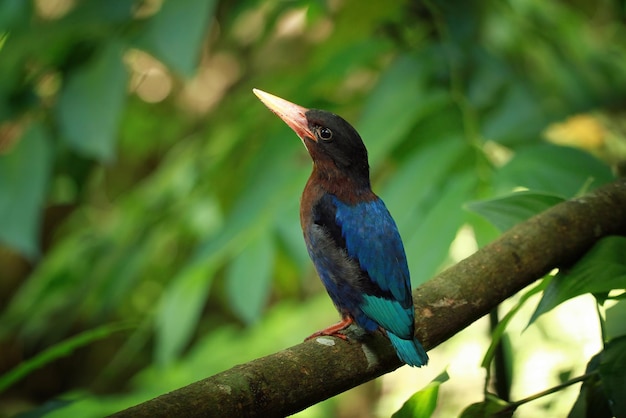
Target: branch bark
293 379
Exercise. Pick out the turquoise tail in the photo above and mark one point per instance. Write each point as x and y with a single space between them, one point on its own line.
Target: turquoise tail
409 351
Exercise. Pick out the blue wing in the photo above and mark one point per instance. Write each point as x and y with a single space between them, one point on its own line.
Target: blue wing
372 239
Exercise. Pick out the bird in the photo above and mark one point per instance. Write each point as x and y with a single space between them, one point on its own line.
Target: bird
350 235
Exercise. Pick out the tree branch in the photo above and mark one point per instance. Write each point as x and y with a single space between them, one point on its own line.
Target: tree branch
293 379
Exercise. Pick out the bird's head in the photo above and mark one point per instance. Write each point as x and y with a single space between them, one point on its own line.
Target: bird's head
334 145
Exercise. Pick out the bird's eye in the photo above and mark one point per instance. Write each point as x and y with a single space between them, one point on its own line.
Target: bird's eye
325 133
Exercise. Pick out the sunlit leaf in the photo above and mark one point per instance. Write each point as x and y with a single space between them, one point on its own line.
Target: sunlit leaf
249 278
612 370
602 269
91 103
174 35
552 169
491 407
504 212
24 173
484 231
422 404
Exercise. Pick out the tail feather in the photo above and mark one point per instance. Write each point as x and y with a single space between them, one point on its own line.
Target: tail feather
409 351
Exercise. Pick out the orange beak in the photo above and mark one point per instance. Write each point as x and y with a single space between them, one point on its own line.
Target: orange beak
292 114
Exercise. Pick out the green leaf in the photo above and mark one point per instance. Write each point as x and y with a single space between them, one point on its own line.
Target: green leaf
428 244
91 103
484 231
514 116
175 34
24 175
14 13
425 198
498 332
401 96
270 184
552 169
249 278
612 371
57 351
504 212
423 174
602 269
422 404
46 408
592 400
491 407
615 322
181 307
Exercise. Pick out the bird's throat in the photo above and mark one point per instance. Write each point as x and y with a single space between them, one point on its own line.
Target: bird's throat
349 189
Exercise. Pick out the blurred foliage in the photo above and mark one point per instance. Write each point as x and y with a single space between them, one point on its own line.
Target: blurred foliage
422 404
141 181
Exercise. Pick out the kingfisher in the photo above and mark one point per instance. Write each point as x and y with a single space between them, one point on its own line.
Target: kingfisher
350 235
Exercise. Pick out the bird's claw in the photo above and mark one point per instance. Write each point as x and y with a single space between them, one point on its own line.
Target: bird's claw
333 330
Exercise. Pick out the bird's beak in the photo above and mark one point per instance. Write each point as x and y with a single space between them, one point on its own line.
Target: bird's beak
292 114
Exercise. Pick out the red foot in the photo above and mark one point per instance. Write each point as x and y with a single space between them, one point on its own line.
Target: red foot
333 330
